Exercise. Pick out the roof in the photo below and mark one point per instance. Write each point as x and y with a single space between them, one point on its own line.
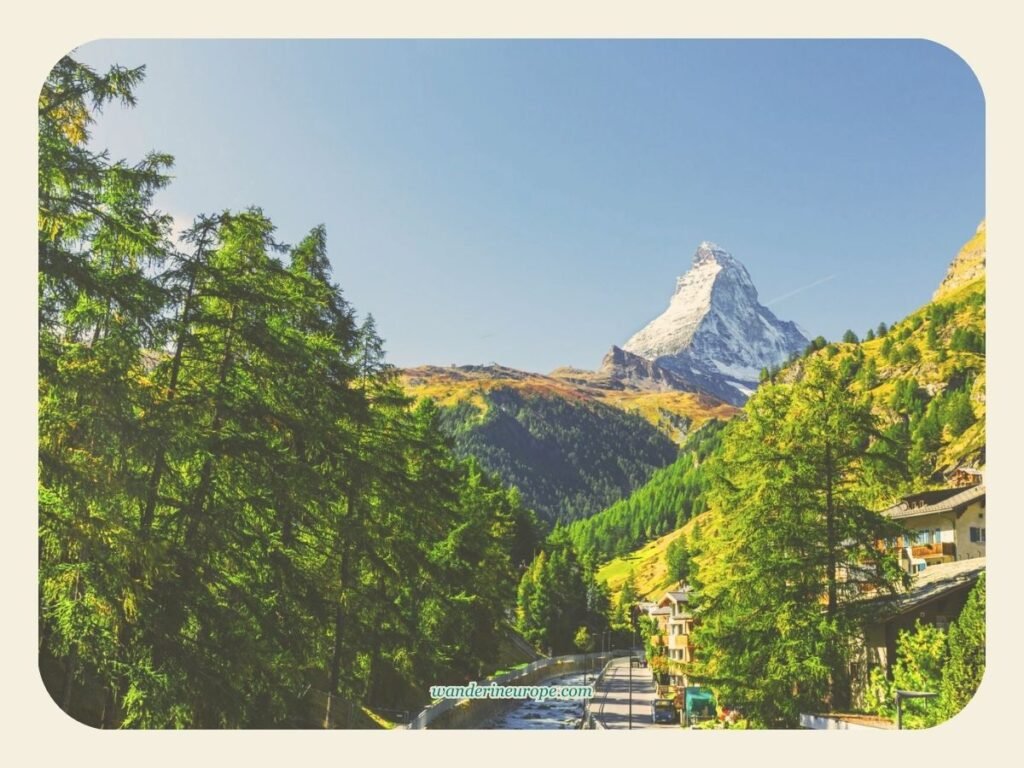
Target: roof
930 502
676 596
965 470
659 611
937 580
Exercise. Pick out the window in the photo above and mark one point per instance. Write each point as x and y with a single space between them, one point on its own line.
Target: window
922 537
977 535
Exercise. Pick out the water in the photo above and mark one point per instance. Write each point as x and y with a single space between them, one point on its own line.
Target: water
554 714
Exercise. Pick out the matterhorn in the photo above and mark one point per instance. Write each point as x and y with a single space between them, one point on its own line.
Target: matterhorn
715 335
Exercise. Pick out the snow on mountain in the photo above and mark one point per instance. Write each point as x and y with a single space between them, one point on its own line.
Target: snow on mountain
715 332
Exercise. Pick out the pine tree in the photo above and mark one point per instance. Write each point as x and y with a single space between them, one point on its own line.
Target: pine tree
795 542
966 665
920 660
678 558
99 307
957 412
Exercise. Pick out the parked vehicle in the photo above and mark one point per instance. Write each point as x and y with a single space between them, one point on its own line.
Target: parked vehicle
663 711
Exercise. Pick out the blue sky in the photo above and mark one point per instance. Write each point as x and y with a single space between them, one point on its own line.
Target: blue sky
532 202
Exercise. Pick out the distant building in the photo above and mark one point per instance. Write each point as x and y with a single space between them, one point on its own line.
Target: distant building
964 477
680 629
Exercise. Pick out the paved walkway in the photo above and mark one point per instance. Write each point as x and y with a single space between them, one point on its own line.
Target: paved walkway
610 704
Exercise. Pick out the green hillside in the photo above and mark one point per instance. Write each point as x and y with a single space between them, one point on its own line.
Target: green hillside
569 455
925 377
671 497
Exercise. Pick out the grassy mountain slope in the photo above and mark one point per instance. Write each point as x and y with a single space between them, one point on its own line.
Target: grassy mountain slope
926 375
673 413
648 565
569 454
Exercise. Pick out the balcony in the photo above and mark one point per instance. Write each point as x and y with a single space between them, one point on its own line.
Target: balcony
942 549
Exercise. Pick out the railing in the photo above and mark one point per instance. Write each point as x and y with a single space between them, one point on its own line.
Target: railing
930 550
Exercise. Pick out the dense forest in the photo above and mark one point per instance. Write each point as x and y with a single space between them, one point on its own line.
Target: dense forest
568 458
560 607
671 497
239 507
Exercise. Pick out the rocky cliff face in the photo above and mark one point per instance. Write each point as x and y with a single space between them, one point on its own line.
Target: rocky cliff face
968 265
628 371
715 335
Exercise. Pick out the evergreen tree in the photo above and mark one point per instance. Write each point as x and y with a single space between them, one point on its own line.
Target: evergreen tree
957 412
920 658
678 558
798 478
966 665
237 500
910 354
99 307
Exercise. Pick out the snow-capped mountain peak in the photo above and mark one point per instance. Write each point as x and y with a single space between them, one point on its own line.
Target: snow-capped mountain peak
715 330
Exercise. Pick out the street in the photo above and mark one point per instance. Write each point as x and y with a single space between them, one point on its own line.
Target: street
610 705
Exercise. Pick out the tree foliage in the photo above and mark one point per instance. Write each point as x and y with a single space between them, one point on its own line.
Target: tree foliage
930 659
568 459
966 666
666 502
921 656
558 599
237 502
794 544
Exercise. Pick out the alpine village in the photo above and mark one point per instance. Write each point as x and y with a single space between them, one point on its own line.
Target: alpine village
249 519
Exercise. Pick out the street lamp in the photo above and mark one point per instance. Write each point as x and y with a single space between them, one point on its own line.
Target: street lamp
632 650
631 690
900 695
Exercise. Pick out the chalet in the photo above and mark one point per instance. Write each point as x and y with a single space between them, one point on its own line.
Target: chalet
943 526
964 477
680 628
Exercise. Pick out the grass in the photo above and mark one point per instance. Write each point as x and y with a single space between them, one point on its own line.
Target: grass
648 565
